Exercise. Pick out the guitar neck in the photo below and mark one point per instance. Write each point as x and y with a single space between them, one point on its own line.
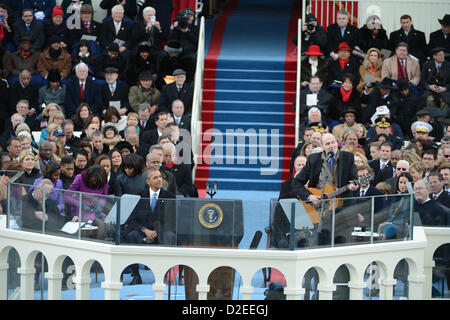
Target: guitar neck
338 192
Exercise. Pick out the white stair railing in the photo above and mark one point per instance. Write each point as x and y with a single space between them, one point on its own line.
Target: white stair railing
196 123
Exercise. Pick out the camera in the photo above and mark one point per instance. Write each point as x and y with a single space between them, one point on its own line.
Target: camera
310 26
182 22
371 84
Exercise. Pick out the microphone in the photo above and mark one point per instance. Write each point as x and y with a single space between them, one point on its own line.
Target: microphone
330 155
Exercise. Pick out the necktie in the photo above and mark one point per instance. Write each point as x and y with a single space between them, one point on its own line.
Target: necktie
331 161
28 28
434 197
383 166
153 202
438 70
112 89
81 91
117 28
362 193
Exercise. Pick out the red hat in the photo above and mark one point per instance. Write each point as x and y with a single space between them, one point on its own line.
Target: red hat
314 50
343 46
57 11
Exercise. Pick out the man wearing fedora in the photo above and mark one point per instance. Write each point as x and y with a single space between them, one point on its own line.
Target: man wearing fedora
88 26
313 65
112 57
382 95
401 65
436 80
25 57
345 63
441 38
114 90
172 58
312 34
341 31
178 89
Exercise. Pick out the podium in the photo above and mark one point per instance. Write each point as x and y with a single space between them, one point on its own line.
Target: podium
210 223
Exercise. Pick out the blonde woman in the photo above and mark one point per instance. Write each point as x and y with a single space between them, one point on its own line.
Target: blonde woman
417 170
30 167
370 68
56 118
48 111
360 159
411 156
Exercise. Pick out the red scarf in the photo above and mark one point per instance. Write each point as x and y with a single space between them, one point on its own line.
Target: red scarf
25 54
2 33
346 94
342 63
170 165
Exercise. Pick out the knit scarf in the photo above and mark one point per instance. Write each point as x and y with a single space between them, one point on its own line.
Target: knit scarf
346 94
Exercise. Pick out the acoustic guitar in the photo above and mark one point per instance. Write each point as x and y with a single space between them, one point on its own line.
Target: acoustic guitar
330 192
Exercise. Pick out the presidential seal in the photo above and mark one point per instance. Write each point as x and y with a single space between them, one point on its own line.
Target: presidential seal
210 215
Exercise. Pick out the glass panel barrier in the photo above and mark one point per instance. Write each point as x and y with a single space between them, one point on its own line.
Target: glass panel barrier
349 221
220 223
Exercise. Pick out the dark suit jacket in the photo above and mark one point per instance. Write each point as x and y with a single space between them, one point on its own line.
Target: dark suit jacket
36 33
75 34
324 99
346 171
120 94
334 37
108 34
444 198
185 122
365 207
161 220
91 96
335 72
384 175
437 39
374 100
417 45
150 137
429 74
17 92
375 165
169 93
183 176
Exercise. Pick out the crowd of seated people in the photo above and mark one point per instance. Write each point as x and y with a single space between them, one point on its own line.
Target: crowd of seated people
384 97
105 97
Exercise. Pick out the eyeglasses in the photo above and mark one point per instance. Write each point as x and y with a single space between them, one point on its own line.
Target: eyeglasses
402 169
447 155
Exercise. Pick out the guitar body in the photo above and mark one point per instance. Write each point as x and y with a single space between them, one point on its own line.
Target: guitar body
313 212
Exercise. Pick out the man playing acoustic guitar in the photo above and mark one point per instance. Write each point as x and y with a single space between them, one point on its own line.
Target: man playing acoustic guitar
330 167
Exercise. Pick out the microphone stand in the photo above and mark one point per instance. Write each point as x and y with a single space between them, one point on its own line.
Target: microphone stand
324 182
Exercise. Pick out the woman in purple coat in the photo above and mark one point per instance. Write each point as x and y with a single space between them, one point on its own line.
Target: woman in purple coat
52 171
92 182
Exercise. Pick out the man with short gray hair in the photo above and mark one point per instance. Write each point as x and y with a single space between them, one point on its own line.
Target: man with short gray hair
341 31
116 29
430 212
178 89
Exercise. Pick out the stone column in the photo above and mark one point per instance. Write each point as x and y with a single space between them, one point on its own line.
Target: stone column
294 293
356 290
386 288
159 290
202 291
54 285
26 283
4 281
417 288
246 292
326 291
82 287
112 290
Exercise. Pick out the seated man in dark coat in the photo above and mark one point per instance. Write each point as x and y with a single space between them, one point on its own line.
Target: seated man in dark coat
29 26
178 89
87 27
430 212
82 89
111 58
114 90
153 219
24 90
116 29
341 31
435 77
32 211
441 37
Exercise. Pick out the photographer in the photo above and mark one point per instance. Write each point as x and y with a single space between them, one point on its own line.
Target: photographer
312 34
185 31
